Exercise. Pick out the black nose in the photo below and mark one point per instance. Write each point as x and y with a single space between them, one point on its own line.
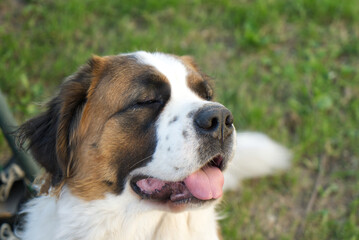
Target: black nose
214 120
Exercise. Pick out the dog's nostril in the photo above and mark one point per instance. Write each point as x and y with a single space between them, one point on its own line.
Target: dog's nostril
229 120
214 123
207 122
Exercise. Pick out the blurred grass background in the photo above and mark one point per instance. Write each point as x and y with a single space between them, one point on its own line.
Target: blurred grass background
286 68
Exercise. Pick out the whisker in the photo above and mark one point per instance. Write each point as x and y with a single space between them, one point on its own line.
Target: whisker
142 160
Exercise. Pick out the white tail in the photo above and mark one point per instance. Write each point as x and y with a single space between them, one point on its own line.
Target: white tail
256 155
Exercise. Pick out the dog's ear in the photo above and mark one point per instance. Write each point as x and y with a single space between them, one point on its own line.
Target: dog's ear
52 135
189 61
208 81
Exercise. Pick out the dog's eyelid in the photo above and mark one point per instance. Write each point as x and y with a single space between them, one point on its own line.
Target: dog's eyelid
149 101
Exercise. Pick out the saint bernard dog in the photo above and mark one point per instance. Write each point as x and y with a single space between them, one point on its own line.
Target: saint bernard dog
134 147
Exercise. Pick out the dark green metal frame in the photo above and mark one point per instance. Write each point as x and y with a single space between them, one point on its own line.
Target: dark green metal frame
8 126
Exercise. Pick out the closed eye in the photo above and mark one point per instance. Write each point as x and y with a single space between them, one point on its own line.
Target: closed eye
149 102
154 104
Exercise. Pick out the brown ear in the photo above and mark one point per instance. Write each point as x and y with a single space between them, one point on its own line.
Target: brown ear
189 61
208 81
52 135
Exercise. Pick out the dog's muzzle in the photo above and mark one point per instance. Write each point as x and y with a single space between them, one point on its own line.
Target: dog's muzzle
214 128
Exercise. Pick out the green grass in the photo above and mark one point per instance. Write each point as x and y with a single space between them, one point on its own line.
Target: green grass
287 68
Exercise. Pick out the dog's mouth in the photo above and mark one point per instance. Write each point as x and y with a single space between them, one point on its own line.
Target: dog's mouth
201 186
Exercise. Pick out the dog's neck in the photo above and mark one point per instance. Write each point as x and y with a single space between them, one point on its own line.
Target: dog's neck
114 217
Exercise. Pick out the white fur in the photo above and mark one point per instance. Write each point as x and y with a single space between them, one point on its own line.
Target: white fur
125 216
115 217
256 155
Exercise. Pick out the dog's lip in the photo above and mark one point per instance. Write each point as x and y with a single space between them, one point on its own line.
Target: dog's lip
216 161
172 192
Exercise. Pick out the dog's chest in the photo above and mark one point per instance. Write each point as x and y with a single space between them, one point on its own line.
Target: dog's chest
113 218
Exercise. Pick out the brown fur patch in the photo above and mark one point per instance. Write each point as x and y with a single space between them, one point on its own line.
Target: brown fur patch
199 82
124 134
44 181
219 234
190 62
200 85
97 65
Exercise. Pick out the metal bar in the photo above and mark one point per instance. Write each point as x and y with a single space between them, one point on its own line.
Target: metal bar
8 126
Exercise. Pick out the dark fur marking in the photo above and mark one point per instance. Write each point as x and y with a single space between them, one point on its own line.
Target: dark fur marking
174 119
50 135
185 134
108 183
200 84
191 114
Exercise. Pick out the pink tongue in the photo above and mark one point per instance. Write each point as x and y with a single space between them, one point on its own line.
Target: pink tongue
206 183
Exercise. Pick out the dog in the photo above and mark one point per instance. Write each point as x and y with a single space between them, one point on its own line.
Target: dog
134 147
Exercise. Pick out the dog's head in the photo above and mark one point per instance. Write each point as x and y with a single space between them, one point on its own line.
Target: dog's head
139 123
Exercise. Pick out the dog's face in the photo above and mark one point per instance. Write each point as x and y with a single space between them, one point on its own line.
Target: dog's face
140 123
